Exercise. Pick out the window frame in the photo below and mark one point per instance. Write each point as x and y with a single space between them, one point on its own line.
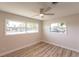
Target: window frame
23 32
51 29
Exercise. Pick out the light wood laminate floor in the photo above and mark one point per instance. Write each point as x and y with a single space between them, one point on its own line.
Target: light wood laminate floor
43 50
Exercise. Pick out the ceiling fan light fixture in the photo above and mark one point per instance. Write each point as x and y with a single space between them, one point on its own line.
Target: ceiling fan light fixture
41 15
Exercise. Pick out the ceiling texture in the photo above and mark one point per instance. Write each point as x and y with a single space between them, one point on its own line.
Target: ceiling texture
30 9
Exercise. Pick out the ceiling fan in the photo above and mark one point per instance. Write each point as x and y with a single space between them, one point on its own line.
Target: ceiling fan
43 10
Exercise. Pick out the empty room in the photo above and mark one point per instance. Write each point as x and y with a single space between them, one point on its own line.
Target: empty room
39 29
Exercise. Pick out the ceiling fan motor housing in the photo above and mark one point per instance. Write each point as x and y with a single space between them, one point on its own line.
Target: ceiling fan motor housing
54 2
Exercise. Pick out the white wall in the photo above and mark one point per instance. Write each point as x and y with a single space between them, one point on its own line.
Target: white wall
13 42
70 39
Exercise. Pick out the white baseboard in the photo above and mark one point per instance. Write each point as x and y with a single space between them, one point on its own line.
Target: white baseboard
30 44
61 46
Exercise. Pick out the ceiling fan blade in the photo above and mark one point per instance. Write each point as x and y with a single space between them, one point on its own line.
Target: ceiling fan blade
35 15
49 14
41 11
47 9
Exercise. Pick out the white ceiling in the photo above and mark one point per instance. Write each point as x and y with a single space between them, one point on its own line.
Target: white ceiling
30 9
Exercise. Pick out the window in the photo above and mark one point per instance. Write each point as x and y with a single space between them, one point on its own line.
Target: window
58 27
32 27
16 27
